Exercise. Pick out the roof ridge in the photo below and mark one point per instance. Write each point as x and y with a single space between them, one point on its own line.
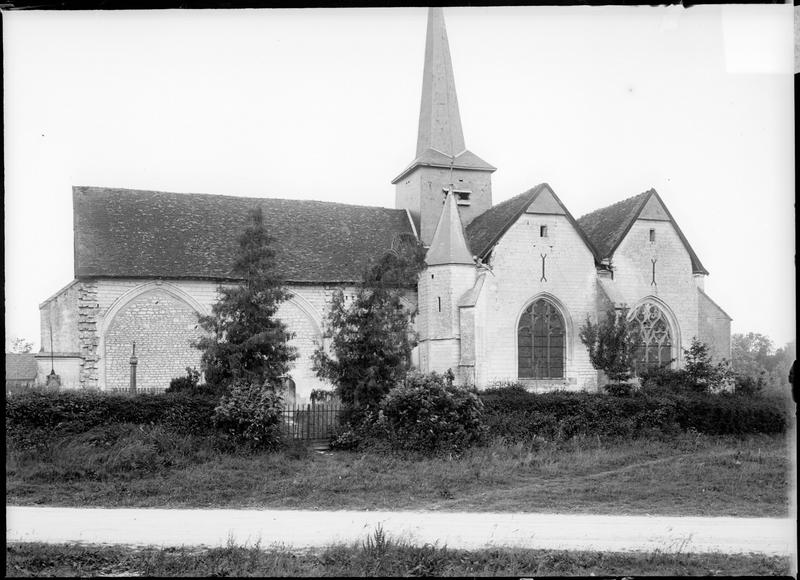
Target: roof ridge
224 196
616 203
531 193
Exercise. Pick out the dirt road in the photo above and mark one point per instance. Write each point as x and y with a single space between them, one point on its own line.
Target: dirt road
214 527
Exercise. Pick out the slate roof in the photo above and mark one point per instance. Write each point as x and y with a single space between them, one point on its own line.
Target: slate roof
486 230
606 227
433 158
449 245
20 367
134 233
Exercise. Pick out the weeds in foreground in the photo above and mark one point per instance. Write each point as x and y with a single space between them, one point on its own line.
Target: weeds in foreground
376 556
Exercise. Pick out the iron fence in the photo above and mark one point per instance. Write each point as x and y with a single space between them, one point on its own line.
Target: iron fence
148 390
19 386
312 422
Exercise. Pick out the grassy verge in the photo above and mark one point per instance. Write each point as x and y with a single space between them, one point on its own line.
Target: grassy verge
690 474
378 556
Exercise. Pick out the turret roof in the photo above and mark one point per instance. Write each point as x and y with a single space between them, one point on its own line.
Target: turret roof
448 245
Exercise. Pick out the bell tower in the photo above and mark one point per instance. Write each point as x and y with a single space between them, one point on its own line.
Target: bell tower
442 161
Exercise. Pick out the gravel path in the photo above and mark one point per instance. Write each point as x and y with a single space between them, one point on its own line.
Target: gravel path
300 529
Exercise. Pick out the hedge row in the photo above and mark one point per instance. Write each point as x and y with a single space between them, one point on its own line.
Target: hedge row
514 414
79 411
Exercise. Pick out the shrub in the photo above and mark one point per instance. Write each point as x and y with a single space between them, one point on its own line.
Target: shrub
187 383
701 375
749 386
250 414
618 389
427 413
515 415
34 416
611 344
664 380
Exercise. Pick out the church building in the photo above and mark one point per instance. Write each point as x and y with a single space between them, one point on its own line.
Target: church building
503 296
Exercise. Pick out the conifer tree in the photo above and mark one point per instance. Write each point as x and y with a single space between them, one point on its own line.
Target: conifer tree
246 341
371 336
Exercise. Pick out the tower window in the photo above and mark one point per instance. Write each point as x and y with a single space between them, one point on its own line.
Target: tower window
462 195
439 300
542 231
652 235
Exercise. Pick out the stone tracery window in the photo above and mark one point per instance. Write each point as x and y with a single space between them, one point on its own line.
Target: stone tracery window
650 326
540 342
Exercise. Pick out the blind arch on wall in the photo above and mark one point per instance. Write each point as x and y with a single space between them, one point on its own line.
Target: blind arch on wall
541 341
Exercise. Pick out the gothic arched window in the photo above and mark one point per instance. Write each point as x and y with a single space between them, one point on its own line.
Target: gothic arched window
651 329
540 342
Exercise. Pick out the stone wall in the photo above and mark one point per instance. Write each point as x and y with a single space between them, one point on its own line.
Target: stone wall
421 193
88 337
60 313
163 327
714 328
516 280
675 285
114 311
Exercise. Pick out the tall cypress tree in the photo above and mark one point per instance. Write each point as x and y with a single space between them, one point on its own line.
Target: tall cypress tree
246 341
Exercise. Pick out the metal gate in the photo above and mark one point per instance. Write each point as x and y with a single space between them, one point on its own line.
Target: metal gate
312 423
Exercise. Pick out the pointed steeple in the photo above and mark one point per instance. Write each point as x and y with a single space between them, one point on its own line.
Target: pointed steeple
439 120
442 162
449 245
440 139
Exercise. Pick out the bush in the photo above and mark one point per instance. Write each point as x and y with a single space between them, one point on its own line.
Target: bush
618 389
250 414
701 374
428 414
749 386
34 416
190 382
515 415
665 380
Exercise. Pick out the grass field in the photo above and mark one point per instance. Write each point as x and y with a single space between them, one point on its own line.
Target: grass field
376 556
690 474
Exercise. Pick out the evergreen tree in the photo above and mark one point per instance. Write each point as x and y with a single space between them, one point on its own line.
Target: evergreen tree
246 342
371 337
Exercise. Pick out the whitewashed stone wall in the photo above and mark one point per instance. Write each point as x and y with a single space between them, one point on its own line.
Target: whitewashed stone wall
439 328
675 285
114 311
516 280
714 327
163 327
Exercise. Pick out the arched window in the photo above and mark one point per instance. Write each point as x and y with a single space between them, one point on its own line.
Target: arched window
649 325
540 342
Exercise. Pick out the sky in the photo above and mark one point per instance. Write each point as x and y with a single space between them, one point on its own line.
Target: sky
602 103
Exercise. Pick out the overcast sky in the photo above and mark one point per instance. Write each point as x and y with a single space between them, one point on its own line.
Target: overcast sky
600 102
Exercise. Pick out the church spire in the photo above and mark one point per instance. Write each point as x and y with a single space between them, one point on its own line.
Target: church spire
442 162
449 245
439 120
